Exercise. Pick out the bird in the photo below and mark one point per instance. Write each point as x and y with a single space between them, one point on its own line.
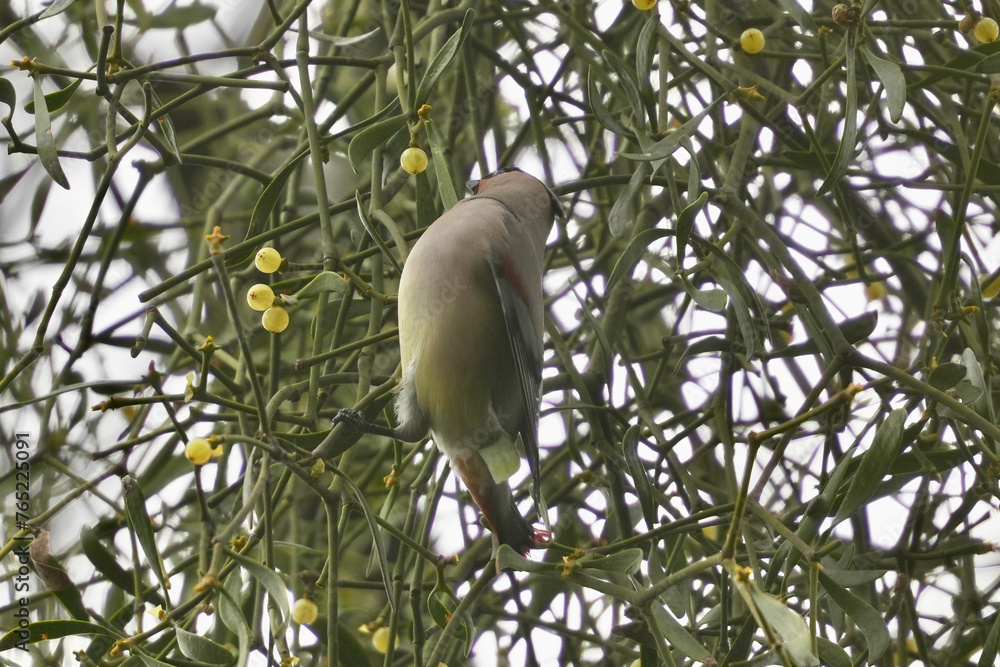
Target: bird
470 311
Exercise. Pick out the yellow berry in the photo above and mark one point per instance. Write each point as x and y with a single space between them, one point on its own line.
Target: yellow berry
986 30
380 639
260 297
413 160
992 288
752 40
200 450
267 260
275 319
875 291
644 4
304 611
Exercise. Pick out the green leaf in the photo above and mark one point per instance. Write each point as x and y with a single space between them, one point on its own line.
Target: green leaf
947 375
604 116
57 7
849 138
730 276
274 584
327 281
874 464
372 229
630 84
46 144
621 562
868 620
57 100
363 143
978 399
358 41
849 578
442 59
712 300
892 80
231 614
959 64
142 527
989 64
666 147
47 630
685 223
832 654
635 249
166 127
677 635
270 197
791 627
104 561
202 649
637 470
8 94
988 657
426 213
176 17
150 661
618 218
442 170
644 57
508 559
375 532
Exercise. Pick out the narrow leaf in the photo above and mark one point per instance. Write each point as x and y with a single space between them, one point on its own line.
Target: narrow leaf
603 114
372 229
57 7
874 464
46 144
677 635
989 655
635 249
637 470
442 170
832 654
869 621
231 614
630 84
980 402
57 100
791 627
202 649
892 80
666 147
618 218
685 223
442 59
622 562
845 152
8 94
46 630
376 534
272 582
271 195
712 300
142 526
363 143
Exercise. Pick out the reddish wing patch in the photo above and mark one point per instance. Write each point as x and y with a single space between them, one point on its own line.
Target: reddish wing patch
512 276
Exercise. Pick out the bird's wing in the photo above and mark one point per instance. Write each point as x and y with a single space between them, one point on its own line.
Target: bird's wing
527 353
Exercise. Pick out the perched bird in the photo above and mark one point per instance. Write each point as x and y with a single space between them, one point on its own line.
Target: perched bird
470 334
